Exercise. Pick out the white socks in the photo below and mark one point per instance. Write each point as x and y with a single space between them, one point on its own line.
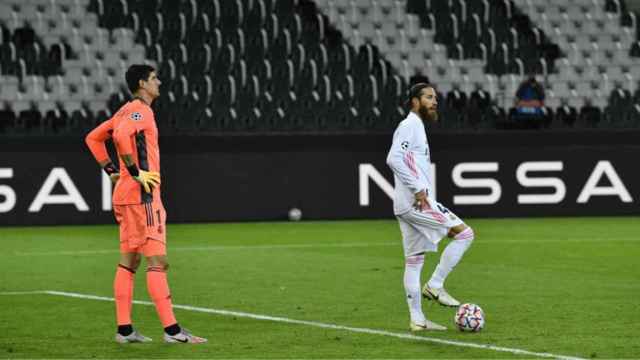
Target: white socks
450 257
412 270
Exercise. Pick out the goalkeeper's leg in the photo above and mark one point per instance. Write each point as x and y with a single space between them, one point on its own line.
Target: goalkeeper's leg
159 291
125 276
123 294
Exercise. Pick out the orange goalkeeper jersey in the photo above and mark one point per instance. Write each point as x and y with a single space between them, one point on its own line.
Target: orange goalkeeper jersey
134 131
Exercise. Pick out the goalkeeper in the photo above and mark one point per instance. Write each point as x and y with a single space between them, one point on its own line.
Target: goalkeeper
137 205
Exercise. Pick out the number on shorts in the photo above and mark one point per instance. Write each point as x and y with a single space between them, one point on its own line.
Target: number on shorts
442 209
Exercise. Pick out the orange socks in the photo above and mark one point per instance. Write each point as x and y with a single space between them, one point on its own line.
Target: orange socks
123 293
159 292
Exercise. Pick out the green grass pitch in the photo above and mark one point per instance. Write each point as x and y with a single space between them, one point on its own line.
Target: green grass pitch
565 286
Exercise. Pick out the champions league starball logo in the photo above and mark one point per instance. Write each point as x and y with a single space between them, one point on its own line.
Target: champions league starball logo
136 116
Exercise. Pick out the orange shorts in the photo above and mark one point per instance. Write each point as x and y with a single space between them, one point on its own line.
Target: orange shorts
142 228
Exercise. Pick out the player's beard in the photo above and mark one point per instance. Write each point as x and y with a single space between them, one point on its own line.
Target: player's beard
428 115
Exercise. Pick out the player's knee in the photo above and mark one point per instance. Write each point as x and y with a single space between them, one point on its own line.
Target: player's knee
127 267
135 263
466 234
158 268
130 265
164 265
130 261
414 260
157 263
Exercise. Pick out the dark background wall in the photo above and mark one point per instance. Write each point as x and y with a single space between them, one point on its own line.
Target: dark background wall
241 178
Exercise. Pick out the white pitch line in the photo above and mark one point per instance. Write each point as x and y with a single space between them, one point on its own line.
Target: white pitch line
217 248
308 246
22 292
315 324
302 246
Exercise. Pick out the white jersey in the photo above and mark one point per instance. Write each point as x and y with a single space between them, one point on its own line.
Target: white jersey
410 161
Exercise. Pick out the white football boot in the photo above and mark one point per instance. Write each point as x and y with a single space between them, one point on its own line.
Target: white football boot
440 295
184 336
134 337
428 325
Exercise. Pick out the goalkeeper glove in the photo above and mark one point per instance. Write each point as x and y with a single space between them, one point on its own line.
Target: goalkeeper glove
148 179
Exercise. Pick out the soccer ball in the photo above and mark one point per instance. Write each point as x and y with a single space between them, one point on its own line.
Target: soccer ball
295 214
469 317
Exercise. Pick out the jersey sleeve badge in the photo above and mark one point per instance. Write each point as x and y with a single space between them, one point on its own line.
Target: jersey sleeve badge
136 116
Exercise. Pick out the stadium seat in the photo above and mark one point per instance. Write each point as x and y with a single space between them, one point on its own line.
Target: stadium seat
7 121
306 53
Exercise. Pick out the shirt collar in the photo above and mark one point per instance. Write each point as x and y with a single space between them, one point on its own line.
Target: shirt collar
414 115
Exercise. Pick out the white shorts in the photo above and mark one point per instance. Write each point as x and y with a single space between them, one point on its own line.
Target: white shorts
423 230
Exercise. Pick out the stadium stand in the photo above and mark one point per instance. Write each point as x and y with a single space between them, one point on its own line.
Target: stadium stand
328 65
58 67
596 39
258 65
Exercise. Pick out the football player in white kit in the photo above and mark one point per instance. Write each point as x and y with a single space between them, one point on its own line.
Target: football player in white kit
423 221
